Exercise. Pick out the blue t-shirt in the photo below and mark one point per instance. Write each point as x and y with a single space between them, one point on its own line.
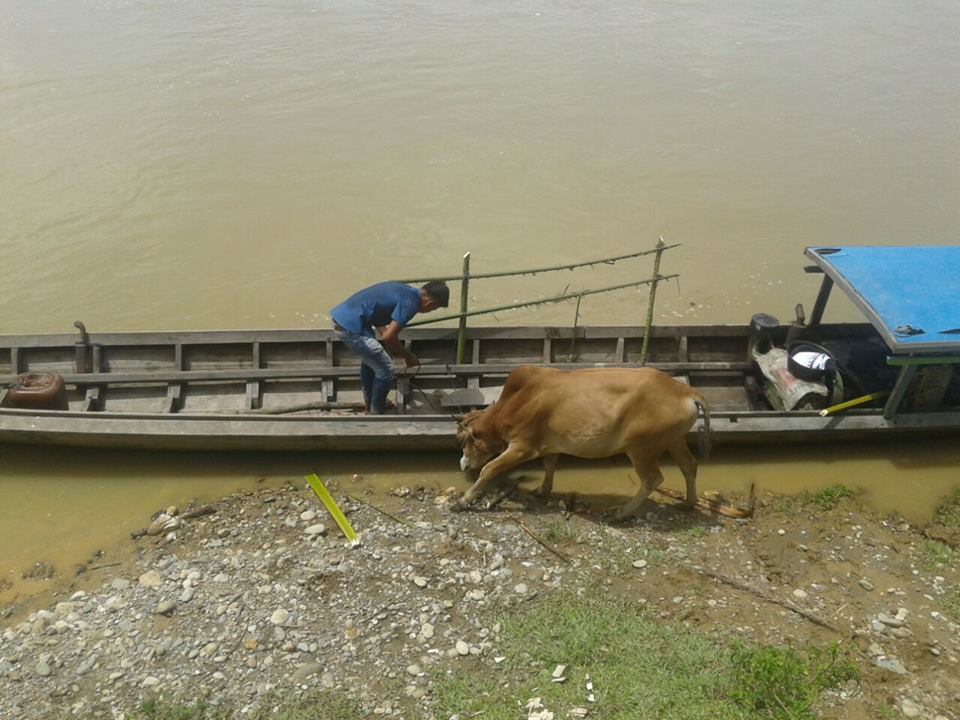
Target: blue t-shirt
376 306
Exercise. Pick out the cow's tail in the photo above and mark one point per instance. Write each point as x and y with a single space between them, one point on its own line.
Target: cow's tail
705 437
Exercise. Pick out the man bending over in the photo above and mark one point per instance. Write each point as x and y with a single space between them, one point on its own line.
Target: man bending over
388 307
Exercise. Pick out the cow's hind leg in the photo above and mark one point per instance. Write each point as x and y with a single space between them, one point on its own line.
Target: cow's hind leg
549 466
650 478
507 460
688 466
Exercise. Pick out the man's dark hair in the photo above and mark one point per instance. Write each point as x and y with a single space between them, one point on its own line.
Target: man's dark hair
438 290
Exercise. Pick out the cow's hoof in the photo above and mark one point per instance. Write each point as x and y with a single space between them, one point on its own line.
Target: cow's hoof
457 506
688 506
621 517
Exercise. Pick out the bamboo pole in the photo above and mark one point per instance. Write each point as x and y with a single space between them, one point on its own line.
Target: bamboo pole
576 320
550 268
541 301
653 296
464 300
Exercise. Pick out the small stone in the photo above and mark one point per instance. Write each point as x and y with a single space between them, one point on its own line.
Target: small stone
891 664
150 681
800 594
151 579
165 607
890 621
909 708
781 531
520 588
420 581
866 584
414 670
280 616
462 648
187 595
639 564
315 530
307 515
305 671
426 630
43 670
120 584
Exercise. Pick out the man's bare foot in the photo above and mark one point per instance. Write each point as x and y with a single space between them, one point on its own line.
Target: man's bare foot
387 406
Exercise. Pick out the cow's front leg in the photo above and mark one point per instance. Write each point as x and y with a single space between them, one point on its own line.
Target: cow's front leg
507 460
549 466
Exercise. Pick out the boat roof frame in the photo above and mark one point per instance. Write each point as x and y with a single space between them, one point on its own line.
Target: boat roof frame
868 276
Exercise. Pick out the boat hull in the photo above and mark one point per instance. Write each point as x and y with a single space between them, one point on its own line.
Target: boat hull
299 390
423 433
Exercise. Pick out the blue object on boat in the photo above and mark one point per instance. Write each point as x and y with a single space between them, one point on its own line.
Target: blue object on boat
911 295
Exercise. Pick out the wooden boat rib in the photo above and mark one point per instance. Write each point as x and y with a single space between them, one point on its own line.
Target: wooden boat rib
299 389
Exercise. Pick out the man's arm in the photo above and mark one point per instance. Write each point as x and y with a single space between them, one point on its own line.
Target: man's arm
390 335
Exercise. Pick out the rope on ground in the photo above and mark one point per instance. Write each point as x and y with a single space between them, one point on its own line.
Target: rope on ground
379 510
528 531
764 596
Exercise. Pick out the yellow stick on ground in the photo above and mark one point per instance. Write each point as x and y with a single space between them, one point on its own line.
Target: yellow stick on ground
852 403
331 505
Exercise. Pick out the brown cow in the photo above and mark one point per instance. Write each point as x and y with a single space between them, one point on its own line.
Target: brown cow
591 413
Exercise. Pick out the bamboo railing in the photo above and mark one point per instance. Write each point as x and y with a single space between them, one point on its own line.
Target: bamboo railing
465 277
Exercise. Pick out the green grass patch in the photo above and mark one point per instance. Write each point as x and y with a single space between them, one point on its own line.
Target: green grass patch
780 682
935 554
312 706
948 511
561 532
159 710
951 605
829 497
887 712
639 668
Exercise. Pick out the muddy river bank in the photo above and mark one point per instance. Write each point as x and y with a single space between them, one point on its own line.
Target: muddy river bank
263 596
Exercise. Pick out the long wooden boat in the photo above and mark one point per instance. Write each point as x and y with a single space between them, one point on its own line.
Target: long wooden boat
299 389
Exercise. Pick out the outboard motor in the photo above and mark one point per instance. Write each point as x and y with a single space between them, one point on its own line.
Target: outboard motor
761 340
802 378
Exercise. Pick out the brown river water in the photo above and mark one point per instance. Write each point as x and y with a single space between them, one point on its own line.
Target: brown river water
209 164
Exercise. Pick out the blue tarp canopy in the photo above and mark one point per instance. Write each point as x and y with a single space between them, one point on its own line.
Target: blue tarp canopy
911 295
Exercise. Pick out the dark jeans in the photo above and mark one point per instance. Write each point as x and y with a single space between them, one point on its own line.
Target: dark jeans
376 370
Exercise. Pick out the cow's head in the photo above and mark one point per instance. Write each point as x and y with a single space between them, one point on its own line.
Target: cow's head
479 447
